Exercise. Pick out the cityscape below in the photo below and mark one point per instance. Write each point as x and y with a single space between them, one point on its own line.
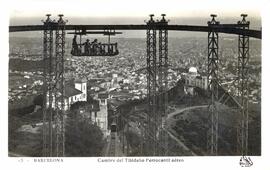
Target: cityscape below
105 97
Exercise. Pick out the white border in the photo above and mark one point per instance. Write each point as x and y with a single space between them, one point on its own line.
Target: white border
91 163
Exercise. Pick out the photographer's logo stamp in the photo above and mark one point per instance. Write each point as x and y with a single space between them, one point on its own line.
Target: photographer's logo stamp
245 161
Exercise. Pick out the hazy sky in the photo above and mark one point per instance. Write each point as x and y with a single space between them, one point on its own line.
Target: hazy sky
133 8
189 12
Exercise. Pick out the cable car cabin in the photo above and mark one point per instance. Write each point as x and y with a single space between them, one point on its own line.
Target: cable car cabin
95 49
113 127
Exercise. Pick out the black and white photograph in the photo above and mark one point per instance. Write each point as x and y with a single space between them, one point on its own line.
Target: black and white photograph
136 83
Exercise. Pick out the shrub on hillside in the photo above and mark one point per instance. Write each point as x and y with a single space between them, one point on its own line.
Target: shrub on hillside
83 138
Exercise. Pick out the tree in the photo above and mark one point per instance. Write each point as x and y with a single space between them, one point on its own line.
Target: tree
75 106
83 138
38 100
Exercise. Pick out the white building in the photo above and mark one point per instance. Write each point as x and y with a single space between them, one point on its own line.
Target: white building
101 116
114 81
194 79
73 93
82 86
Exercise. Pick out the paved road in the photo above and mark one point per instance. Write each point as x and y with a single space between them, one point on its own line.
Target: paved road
178 111
170 120
113 147
180 143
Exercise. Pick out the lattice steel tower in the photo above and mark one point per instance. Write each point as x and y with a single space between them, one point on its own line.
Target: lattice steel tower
243 79
53 88
212 76
151 85
163 83
60 86
47 86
